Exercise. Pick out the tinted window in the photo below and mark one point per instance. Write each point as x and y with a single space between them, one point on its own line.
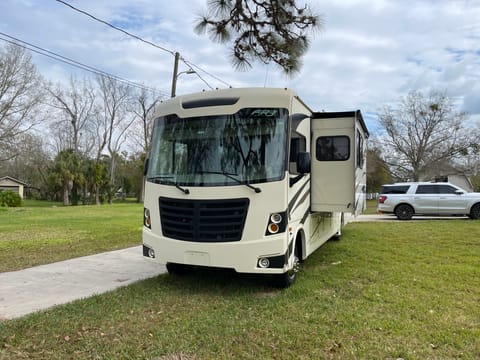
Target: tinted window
298 144
427 189
400 189
446 189
333 148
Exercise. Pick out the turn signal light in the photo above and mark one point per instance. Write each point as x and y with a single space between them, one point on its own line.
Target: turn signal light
273 228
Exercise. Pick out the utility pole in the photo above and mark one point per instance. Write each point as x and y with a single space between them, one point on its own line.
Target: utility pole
174 78
176 74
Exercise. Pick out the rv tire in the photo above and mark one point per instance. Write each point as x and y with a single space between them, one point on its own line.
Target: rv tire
286 279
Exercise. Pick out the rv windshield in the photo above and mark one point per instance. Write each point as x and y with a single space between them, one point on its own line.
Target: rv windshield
243 148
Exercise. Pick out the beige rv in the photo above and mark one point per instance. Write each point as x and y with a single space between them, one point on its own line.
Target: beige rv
249 179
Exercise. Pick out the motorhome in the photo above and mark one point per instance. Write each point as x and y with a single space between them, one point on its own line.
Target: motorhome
249 179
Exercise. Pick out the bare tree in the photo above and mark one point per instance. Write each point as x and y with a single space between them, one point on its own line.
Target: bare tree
20 97
265 30
423 132
76 105
143 107
32 162
116 98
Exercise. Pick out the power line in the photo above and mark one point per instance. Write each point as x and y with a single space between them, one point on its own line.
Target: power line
188 63
115 27
196 73
145 41
71 62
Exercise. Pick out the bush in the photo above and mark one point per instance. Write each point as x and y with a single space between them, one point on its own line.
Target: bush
10 199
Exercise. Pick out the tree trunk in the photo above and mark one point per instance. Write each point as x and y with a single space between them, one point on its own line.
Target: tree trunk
66 200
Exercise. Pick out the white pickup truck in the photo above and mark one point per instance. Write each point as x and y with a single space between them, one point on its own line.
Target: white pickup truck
426 198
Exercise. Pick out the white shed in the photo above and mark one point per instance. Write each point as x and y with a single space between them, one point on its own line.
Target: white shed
9 183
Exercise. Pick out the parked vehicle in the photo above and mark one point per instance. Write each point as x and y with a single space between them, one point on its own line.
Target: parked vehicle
249 179
423 198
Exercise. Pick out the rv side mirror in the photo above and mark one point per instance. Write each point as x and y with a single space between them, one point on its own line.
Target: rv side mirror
303 162
145 166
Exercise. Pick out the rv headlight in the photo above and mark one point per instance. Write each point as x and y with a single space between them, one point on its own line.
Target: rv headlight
276 218
276 223
146 218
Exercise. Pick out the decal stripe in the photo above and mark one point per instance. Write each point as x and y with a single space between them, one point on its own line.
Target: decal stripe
294 203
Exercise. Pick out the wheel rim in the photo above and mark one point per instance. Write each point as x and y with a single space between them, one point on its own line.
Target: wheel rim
476 212
295 268
405 212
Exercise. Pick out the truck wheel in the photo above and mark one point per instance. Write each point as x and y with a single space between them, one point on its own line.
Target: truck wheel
404 212
475 212
286 279
178 269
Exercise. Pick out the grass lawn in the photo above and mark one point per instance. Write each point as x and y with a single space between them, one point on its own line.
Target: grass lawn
43 232
393 290
371 207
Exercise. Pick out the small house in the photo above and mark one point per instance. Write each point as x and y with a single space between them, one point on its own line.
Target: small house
9 183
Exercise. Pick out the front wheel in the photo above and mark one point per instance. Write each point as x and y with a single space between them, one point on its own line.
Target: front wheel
404 212
475 212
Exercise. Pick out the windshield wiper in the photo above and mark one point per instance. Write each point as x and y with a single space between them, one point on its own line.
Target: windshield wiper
158 179
184 190
232 176
167 179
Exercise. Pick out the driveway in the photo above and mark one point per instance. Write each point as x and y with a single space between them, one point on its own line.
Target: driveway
41 287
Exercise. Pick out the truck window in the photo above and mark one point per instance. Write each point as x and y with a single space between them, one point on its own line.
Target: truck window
395 189
446 189
427 189
332 148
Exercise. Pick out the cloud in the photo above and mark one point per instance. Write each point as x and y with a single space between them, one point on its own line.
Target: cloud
369 53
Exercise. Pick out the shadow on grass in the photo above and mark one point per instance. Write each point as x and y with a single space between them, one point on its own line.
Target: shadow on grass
225 282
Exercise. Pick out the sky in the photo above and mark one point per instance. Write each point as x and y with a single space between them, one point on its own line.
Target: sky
368 54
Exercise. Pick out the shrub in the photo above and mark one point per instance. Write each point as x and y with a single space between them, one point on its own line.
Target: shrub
10 198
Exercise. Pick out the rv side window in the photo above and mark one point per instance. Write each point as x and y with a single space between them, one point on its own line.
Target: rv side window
297 144
332 148
359 150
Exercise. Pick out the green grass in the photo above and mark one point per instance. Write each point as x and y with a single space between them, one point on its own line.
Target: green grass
371 207
42 232
407 290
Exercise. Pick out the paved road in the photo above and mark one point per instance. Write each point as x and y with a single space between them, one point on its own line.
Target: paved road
41 287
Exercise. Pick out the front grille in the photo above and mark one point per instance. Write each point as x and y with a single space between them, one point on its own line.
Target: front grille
203 220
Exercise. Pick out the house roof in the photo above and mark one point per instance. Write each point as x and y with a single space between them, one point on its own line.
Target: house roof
14 180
